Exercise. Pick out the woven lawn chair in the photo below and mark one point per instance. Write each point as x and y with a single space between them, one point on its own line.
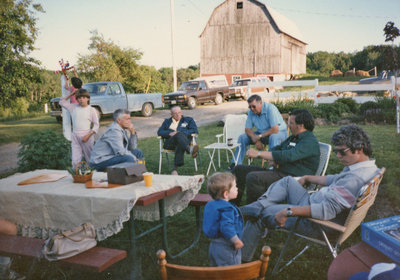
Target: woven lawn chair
357 213
251 270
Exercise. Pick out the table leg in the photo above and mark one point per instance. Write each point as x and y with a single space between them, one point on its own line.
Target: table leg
134 258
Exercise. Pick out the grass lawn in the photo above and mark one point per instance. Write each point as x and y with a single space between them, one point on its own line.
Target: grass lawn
311 265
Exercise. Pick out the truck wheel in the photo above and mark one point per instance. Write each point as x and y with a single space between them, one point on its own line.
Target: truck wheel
98 113
191 103
244 97
147 110
218 99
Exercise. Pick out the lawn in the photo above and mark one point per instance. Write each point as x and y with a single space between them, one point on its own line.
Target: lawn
312 265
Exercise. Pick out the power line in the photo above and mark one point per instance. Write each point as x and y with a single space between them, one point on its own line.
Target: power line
331 14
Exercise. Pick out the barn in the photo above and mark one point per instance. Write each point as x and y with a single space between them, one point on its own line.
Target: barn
245 38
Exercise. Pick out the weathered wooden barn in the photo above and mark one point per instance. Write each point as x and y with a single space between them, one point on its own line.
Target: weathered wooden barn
245 38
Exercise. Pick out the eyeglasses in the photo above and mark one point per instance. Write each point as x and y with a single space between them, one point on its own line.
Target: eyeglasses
342 152
252 106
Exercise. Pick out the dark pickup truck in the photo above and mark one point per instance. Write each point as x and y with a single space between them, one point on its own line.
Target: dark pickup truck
199 91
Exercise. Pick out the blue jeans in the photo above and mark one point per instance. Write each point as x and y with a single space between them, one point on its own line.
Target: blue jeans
285 190
101 166
244 140
222 253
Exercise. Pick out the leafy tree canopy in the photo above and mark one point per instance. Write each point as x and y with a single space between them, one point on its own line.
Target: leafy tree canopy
18 33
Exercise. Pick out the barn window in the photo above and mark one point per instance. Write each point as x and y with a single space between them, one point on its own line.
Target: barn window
239 5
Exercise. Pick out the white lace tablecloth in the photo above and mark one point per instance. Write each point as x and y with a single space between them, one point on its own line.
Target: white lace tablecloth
41 210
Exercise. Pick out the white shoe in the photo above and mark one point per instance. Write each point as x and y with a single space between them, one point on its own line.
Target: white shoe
174 172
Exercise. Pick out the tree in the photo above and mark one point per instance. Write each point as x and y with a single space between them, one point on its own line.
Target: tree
109 62
391 32
18 33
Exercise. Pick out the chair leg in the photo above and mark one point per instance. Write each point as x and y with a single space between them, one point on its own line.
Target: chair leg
160 163
195 164
283 251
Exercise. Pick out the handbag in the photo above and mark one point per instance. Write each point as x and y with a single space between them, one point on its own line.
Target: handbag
70 243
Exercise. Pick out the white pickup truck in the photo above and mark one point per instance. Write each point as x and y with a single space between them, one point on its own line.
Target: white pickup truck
106 97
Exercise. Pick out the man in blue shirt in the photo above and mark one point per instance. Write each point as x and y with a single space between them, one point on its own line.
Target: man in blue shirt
177 132
270 128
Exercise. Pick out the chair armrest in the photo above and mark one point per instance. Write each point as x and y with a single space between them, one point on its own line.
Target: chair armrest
219 137
194 135
159 137
329 224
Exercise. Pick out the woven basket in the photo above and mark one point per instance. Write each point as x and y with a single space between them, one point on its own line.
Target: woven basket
81 178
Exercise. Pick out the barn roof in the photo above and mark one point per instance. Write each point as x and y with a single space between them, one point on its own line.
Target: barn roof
282 23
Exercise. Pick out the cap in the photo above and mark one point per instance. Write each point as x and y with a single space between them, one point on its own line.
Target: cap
82 92
379 271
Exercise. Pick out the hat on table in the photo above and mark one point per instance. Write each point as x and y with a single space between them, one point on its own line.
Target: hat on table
379 271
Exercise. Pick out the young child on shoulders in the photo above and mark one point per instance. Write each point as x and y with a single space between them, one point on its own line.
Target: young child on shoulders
222 221
85 123
76 85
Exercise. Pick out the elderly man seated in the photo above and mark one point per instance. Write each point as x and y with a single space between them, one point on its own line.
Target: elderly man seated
287 199
177 132
117 144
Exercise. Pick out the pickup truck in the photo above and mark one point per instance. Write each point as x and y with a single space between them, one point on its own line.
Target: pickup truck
199 91
106 97
239 88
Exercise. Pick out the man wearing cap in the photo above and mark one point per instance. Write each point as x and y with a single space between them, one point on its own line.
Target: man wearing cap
85 123
287 199
118 144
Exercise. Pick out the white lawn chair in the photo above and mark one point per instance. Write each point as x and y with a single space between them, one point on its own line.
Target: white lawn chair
234 126
166 152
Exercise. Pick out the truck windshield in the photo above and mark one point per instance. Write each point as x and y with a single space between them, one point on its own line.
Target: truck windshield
240 83
187 86
98 88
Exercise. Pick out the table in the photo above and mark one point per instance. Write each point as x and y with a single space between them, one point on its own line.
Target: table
41 210
220 146
357 258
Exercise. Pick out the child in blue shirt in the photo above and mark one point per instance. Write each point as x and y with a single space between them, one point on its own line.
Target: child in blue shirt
222 221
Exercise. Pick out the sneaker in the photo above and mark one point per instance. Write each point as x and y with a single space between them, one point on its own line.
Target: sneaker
230 167
194 150
174 172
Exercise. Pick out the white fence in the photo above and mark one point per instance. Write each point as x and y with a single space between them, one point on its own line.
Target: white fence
319 89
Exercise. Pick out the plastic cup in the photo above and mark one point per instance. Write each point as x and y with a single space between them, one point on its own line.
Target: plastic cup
148 179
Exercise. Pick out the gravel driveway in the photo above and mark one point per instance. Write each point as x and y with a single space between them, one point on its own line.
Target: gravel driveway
146 127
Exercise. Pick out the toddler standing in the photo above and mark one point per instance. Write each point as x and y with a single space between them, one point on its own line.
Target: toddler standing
83 117
222 221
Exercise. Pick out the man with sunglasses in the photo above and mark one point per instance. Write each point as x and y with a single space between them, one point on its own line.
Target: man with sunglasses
287 199
270 128
298 155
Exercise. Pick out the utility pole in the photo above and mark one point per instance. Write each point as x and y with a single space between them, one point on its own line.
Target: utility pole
172 43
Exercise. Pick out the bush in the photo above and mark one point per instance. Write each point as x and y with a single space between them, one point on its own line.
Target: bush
351 103
44 150
383 110
333 112
287 107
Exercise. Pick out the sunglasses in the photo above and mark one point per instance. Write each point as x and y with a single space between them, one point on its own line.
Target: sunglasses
342 152
252 106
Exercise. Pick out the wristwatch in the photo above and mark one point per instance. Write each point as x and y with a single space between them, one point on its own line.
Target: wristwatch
289 212
259 136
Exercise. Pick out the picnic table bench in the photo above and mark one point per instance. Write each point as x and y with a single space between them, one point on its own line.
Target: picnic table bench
94 260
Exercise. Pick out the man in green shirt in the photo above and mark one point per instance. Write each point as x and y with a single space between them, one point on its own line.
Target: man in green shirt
298 155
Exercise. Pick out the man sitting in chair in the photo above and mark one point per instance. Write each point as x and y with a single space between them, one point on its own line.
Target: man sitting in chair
177 131
270 128
118 144
298 155
287 199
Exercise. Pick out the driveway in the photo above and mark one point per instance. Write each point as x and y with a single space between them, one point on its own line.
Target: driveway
146 127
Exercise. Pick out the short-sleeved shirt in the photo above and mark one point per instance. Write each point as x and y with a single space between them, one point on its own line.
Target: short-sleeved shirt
269 117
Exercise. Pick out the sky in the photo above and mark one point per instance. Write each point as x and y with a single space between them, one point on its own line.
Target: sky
145 25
